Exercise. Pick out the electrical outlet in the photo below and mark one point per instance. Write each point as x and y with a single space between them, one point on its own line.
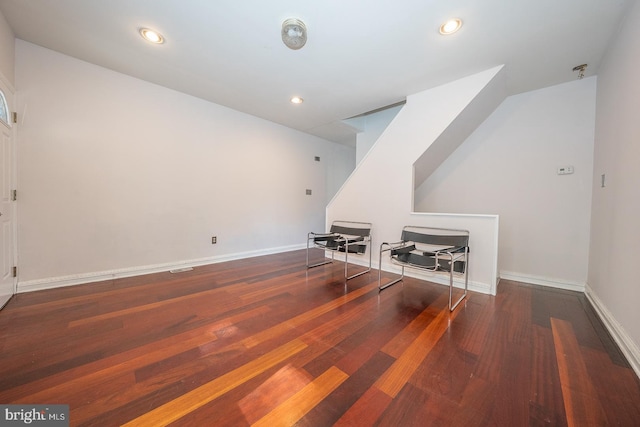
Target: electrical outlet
214 240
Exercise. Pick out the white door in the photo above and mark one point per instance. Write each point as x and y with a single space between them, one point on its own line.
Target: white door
7 279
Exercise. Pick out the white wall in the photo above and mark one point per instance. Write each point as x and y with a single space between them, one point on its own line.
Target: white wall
372 126
7 51
508 167
613 282
381 188
119 176
341 163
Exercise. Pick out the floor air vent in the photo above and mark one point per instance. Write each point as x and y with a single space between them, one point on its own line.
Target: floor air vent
180 270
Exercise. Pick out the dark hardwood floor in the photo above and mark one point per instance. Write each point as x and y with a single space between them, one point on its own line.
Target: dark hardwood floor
264 341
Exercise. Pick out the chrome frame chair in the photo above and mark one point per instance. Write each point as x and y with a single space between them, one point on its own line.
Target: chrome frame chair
437 250
343 236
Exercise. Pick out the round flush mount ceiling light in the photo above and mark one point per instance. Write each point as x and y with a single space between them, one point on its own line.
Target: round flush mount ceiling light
151 35
451 26
294 33
297 100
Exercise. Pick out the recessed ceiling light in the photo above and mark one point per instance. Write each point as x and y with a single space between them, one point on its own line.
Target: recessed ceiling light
451 26
151 36
297 100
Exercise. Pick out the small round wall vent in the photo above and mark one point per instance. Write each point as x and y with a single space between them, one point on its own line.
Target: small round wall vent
294 33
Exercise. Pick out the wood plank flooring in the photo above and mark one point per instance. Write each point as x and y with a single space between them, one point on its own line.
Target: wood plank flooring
264 341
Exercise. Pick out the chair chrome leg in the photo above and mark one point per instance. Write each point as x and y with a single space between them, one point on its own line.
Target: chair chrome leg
318 264
466 286
346 264
393 282
346 259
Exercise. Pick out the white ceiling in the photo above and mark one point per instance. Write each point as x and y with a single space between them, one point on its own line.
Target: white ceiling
361 55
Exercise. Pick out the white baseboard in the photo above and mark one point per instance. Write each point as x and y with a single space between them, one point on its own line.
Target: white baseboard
443 279
628 347
363 260
78 279
542 281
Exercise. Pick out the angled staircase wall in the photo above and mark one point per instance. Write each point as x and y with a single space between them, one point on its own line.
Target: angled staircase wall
380 190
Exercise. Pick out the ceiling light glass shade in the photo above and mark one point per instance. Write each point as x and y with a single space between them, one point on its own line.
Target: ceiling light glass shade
294 33
151 36
451 26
